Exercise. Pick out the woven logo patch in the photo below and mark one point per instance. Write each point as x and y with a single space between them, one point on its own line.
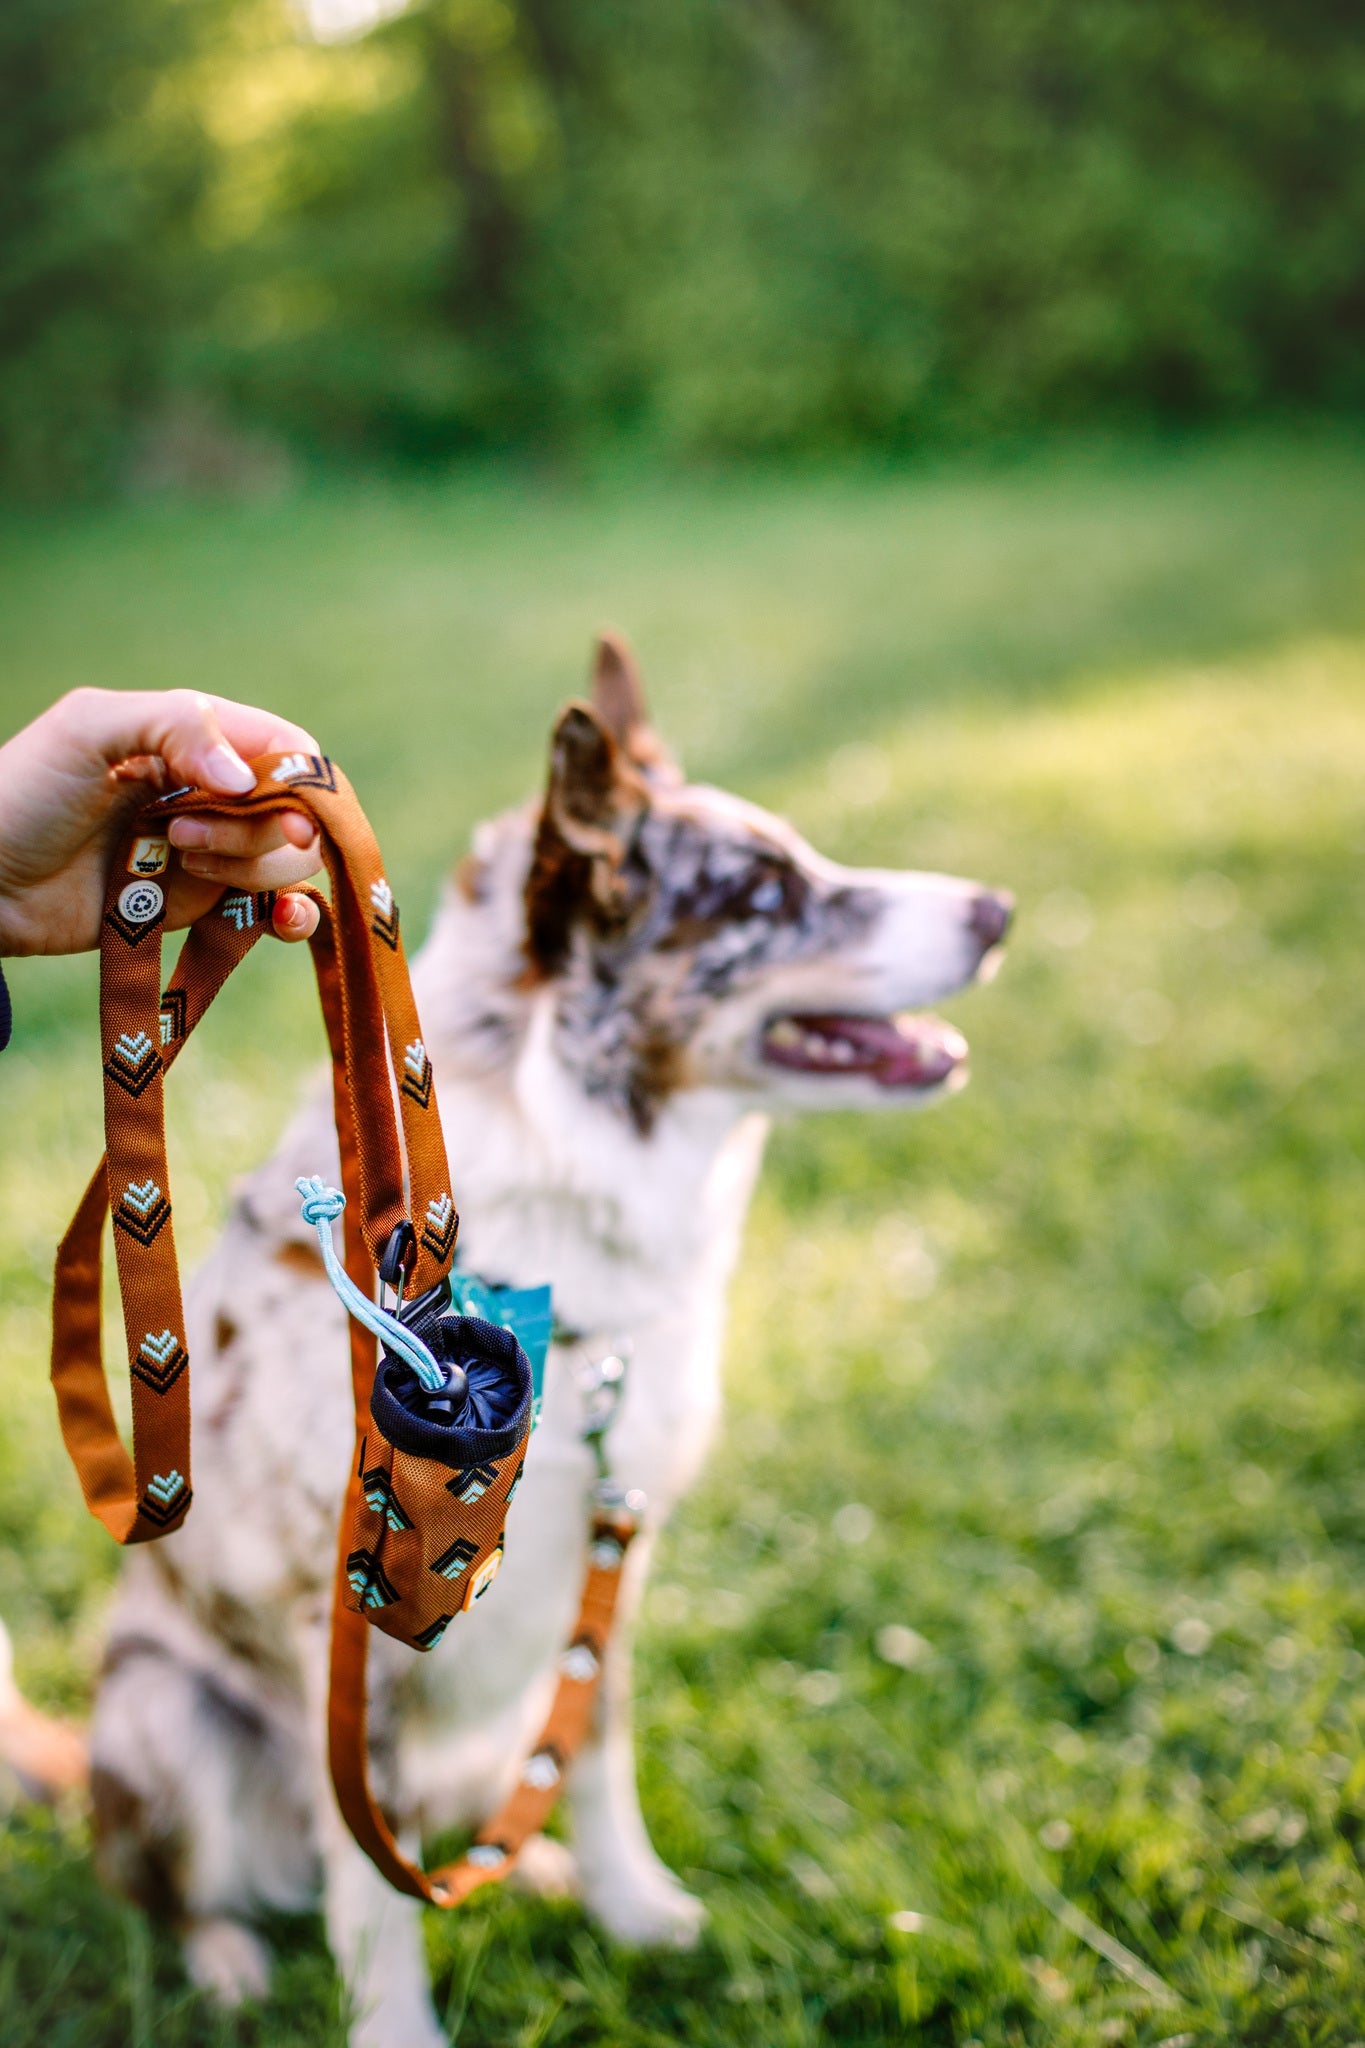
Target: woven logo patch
452 1562
542 1771
173 1007
431 1635
606 1554
471 1484
439 1227
305 771
166 1498
368 1580
417 1073
160 1361
247 911
579 1662
141 1210
385 922
381 1498
133 1063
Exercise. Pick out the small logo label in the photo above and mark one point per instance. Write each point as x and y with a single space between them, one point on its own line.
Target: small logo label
149 856
483 1578
140 902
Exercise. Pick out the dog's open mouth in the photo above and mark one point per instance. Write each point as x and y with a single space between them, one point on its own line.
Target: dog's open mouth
906 1051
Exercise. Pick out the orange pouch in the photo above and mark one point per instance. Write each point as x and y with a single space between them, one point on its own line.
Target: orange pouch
437 1474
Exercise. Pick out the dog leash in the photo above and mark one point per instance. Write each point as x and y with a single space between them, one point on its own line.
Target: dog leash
449 1394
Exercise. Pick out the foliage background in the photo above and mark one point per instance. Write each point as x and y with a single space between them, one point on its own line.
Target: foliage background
716 228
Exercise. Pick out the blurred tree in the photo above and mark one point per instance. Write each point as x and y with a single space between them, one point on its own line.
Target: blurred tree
718 227
100 175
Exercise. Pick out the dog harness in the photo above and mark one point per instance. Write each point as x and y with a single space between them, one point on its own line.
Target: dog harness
444 1393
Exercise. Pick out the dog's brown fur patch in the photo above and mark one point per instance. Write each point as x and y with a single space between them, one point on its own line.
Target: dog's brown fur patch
303 1259
132 1856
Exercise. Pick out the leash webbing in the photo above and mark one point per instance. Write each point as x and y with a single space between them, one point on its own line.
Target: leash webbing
393 1169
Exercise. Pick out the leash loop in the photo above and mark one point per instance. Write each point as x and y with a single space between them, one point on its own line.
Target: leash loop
399 1224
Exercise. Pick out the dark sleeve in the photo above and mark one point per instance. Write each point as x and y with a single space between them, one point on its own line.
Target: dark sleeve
6 1014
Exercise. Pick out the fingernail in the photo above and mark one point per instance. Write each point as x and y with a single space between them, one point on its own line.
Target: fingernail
224 769
189 832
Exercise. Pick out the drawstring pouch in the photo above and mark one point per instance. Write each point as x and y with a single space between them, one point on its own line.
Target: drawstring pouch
450 1412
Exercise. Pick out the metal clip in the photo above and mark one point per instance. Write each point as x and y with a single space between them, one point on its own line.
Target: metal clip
393 1265
602 1386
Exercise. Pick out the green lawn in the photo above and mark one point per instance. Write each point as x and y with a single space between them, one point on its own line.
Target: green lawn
1036 1589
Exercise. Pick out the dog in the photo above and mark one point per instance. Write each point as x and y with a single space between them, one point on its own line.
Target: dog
622 983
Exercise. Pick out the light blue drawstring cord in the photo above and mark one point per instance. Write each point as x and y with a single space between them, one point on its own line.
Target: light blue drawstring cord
321 1207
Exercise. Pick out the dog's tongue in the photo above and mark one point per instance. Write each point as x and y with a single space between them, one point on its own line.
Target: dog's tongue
896 1052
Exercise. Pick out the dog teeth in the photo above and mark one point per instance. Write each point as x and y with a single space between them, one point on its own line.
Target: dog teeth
814 1047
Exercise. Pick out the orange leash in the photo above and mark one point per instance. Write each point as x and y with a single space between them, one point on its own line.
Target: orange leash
415 1545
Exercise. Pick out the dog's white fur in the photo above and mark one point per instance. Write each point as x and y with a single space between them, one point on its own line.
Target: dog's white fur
207 1744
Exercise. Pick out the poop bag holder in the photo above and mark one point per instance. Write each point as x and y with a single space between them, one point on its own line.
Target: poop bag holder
438 1469
443 1416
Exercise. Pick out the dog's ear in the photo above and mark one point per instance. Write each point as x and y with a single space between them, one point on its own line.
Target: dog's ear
594 801
618 698
595 792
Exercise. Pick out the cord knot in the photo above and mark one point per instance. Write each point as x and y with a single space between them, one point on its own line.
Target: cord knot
321 1204
321 1207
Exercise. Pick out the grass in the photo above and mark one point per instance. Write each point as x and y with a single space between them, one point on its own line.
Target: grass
1026 1583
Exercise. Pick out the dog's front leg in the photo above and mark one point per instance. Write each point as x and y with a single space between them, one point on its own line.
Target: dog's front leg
374 1932
623 1881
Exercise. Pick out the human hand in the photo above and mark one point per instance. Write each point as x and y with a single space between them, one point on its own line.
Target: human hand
70 782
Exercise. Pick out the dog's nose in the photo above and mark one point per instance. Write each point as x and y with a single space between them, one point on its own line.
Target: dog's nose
990 916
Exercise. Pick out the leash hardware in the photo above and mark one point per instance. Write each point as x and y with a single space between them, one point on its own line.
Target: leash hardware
602 1385
399 1255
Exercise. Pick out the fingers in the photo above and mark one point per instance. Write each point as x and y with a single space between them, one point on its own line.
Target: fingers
251 731
250 853
278 869
201 739
294 918
244 838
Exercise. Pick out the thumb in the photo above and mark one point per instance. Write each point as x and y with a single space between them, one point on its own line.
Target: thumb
195 748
